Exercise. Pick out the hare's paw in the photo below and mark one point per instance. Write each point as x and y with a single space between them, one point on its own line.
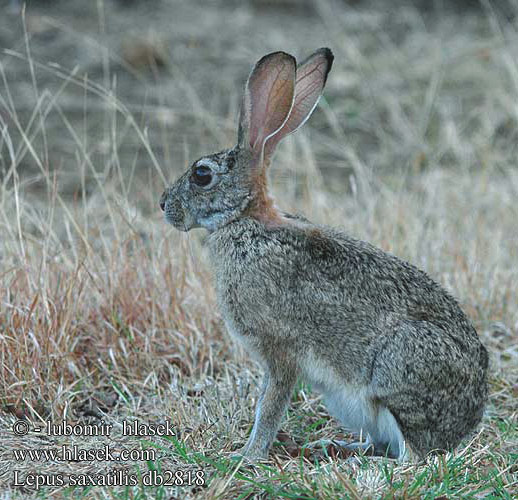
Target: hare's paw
343 449
249 455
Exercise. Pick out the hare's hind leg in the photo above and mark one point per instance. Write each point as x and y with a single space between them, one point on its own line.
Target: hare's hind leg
376 427
387 437
431 386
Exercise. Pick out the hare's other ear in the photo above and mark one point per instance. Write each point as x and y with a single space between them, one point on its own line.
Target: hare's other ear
267 100
311 78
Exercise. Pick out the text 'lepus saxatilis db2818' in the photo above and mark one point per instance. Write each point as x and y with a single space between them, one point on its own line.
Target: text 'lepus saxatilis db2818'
396 359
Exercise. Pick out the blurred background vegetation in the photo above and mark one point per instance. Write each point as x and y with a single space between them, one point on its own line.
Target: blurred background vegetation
415 84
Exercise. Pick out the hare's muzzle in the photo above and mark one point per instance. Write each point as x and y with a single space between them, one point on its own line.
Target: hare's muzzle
162 200
174 212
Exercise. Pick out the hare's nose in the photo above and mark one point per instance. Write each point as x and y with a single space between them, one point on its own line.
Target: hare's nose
162 202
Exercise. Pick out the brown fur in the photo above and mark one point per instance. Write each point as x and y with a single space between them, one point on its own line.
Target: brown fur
395 356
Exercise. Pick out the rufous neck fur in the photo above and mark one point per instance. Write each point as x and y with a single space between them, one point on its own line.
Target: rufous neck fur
262 206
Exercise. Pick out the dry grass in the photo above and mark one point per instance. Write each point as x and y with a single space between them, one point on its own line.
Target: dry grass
108 314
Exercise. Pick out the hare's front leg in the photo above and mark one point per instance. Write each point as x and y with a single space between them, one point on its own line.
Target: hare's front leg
272 404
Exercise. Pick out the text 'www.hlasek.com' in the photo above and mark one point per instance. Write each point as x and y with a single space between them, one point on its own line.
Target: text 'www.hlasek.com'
121 459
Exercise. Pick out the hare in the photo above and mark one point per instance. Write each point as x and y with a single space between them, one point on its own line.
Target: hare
396 359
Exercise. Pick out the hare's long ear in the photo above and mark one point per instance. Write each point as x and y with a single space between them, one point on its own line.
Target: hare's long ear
311 78
267 100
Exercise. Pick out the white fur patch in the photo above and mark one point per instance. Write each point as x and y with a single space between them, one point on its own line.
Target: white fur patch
353 407
209 163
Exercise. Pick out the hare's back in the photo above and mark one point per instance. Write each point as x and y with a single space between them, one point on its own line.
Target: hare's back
305 277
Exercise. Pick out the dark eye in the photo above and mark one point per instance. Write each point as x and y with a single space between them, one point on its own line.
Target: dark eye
202 176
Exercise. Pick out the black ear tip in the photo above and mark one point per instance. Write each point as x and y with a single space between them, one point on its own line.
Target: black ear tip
328 54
